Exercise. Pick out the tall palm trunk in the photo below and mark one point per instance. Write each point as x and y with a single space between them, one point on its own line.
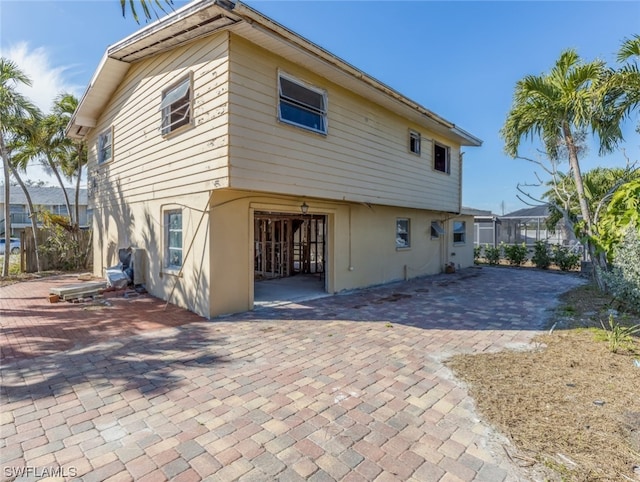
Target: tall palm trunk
577 177
56 173
7 211
77 194
32 214
597 260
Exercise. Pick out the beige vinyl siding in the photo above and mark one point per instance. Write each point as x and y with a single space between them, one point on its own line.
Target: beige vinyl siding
147 165
364 157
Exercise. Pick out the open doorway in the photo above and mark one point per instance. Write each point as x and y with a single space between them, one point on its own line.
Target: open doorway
289 257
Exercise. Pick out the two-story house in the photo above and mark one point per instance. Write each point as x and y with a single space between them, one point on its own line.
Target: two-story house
232 150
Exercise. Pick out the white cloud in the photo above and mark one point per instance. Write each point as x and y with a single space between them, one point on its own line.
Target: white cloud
47 80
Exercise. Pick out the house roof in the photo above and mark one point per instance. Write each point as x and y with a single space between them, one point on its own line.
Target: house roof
476 212
205 17
46 196
534 212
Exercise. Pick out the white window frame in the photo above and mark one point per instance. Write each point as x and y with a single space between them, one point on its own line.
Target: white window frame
105 145
283 99
460 230
169 249
403 233
436 230
447 149
170 105
415 142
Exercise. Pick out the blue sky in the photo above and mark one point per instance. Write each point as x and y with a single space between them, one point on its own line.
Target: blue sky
459 59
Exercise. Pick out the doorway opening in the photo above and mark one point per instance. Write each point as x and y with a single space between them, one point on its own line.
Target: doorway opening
290 253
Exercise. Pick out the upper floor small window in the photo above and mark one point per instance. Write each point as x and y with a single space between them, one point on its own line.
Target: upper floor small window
176 106
105 146
403 234
414 142
441 158
302 105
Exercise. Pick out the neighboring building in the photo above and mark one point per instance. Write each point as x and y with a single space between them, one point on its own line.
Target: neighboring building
526 225
229 150
486 227
44 199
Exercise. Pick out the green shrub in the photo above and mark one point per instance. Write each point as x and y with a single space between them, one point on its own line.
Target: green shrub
477 252
619 336
516 254
564 258
623 281
492 254
541 256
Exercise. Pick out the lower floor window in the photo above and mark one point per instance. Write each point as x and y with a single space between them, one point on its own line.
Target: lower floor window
459 232
403 239
173 230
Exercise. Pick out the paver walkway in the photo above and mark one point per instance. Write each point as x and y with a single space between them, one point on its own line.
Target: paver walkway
348 387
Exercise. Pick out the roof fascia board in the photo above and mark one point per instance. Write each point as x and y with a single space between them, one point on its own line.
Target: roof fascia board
257 20
160 24
239 11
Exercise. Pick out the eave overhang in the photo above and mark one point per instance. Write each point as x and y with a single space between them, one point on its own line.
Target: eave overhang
205 17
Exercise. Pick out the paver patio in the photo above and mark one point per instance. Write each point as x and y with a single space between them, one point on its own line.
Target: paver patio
349 387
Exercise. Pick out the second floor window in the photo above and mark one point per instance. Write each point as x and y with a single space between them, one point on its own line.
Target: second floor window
441 157
414 142
302 105
176 106
105 146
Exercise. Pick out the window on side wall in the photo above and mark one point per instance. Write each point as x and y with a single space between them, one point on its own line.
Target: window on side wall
459 232
436 230
403 233
414 142
302 105
176 106
441 158
105 146
173 237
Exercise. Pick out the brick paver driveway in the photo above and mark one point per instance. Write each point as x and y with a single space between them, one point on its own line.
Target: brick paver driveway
348 387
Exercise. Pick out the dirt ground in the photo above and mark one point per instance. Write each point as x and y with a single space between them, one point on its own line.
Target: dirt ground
570 406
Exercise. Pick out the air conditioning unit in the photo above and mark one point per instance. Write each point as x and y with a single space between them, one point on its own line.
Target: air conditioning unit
139 265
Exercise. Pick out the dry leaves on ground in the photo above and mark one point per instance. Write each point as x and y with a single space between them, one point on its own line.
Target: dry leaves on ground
569 405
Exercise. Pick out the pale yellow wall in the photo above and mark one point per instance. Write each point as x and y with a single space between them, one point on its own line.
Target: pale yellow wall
148 165
364 157
361 244
463 257
149 172
119 224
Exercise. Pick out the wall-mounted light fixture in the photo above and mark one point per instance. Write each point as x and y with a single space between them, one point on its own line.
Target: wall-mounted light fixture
304 208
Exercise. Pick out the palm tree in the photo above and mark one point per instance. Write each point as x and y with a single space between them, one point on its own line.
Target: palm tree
46 143
555 107
147 7
14 107
19 163
626 80
75 152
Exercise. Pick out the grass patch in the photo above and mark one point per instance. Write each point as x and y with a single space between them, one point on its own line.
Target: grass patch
572 406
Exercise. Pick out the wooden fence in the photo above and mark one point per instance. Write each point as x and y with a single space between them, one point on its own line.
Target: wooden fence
71 251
